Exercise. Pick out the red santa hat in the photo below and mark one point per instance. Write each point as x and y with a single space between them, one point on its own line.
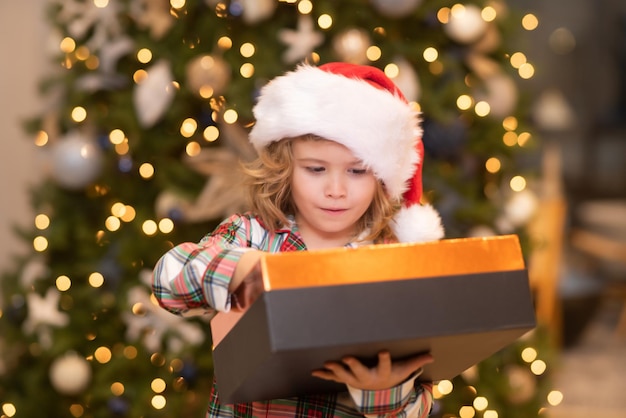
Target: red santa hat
361 108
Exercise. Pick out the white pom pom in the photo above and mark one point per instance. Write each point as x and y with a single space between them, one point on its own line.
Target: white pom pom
418 223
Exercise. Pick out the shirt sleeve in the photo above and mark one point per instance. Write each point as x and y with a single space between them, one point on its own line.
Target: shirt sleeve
193 278
410 399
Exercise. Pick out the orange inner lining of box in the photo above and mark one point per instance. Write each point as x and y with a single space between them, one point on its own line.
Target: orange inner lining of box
392 262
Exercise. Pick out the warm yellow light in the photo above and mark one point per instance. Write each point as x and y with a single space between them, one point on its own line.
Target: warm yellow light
509 138
101 4
40 243
467 412
247 50
118 209
103 355
188 127
67 45
305 7
139 76
517 59
129 214
510 123
158 402
158 385
445 387
464 102
96 279
146 170
246 70
193 148
211 133
177 4
373 53
443 15
149 227
325 21
225 43
530 22
523 138
42 221
123 148
206 91
490 413
480 403
482 108
130 352
518 183
231 116
9 409
555 397
63 283
392 70
79 114
538 367
166 225
82 53
430 54
493 165
117 389
144 55
526 71
117 136
77 410
112 223
488 14
529 354
41 138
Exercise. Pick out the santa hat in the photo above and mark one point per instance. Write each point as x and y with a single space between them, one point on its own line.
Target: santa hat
361 108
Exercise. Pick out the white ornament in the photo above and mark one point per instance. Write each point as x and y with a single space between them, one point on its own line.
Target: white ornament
76 161
553 112
152 323
34 270
255 11
466 24
207 71
351 45
521 207
85 19
407 80
153 95
42 314
500 91
153 14
395 8
301 42
70 374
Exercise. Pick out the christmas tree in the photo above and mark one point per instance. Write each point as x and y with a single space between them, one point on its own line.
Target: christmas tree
153 104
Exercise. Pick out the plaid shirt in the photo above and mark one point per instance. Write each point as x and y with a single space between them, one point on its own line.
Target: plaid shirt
193 279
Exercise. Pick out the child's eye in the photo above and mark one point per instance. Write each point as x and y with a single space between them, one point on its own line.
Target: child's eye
315 169
358 171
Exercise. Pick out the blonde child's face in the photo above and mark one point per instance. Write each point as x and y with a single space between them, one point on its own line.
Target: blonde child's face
331 190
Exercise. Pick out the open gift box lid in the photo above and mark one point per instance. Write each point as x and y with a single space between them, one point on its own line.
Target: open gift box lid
462 300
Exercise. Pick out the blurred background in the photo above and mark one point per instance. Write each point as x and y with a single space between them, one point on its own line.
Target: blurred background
90 119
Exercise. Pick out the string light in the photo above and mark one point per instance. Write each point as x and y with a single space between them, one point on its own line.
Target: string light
79 114
480 403
96 279
211 133
103 355
530 22
63 283
40 244
144 55
42 221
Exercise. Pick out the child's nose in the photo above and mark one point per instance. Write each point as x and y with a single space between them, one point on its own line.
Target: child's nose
336 186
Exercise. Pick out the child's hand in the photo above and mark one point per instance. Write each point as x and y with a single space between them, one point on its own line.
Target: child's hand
248 290
385 375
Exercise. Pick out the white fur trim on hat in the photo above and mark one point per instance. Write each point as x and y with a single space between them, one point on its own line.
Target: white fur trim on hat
379 128
417 223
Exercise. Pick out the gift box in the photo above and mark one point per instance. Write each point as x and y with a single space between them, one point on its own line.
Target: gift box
461 300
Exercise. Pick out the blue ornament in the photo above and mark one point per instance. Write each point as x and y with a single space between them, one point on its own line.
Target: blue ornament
118 406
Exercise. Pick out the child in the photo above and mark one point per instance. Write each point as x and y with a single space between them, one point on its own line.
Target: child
340 161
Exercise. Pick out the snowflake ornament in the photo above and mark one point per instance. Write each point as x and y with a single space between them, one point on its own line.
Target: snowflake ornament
300 42
83 19
43 313
153 324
